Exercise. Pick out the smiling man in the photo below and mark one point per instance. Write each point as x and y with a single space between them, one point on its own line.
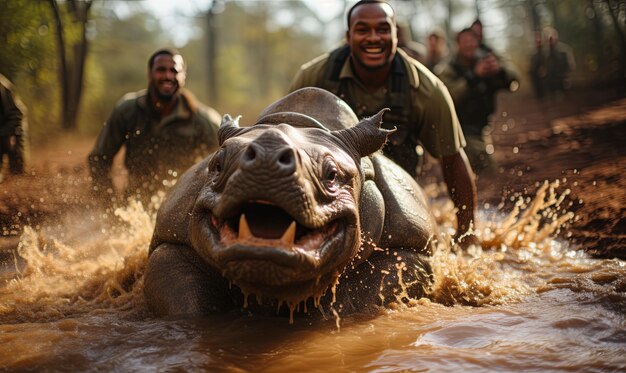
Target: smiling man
164 130
371 73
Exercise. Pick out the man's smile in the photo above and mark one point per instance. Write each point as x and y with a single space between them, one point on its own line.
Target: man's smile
373 50
167 84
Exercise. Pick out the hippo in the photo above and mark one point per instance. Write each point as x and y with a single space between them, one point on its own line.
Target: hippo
300 208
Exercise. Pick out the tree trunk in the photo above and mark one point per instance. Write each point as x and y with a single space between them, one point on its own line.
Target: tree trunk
598 37
212 37
622 38
71 76
264 54
448 21
63 70
78 72
535 18
556 20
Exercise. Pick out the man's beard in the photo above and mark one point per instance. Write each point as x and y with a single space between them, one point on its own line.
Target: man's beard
163 97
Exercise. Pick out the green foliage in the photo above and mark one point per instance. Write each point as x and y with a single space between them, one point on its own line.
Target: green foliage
25 36
256 59
28 58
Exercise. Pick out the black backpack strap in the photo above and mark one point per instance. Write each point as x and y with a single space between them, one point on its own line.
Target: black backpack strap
332 70
399 78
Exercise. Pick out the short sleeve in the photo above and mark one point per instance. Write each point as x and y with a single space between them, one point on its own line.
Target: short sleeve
440 131
309 74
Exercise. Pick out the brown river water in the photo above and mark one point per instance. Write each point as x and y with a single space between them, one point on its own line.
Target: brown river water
526 302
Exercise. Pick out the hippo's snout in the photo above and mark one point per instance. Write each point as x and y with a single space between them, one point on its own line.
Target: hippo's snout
270 152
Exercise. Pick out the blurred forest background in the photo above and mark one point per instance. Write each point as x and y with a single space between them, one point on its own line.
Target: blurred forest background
72 60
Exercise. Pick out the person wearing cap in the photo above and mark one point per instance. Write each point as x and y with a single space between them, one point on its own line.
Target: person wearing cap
370 73
163 128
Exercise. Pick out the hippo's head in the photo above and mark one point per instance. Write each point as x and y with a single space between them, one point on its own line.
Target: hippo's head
279 214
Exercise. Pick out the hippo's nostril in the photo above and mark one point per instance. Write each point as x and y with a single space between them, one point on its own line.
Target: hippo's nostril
250 154
286 157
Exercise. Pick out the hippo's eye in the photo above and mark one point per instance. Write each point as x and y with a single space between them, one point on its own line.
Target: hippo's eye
216 163
330 176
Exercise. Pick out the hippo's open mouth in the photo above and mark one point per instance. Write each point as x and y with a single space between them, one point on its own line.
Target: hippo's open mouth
261 230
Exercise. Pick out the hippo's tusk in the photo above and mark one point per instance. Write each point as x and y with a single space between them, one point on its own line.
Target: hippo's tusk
244 229
289 236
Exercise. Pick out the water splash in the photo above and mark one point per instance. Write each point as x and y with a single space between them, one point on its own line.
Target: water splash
100 273
499 271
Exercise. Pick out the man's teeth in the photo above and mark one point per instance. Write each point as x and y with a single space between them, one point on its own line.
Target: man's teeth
373 50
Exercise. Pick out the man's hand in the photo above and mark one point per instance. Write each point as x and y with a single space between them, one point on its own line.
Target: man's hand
459 179
487 66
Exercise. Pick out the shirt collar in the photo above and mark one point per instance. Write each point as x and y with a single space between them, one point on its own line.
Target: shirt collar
181 111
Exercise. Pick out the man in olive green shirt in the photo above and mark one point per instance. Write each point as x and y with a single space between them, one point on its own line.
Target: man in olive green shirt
164 129
13 125
473 78
371 73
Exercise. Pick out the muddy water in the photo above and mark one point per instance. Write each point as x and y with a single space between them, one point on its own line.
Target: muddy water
524 302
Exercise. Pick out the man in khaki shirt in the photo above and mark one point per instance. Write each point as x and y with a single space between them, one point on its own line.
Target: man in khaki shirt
370 73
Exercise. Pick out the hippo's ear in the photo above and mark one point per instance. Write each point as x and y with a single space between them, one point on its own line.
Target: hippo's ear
228 128
366 137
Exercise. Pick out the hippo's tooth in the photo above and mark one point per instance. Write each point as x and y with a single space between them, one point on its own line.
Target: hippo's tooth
289 236
244 229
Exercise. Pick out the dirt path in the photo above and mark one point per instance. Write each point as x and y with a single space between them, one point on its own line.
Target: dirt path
580 140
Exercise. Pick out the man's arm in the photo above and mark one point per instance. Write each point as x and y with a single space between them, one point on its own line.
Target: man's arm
442 136
459 179
100 160
309 74
14 125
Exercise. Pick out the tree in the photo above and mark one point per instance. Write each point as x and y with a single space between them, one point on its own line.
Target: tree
252 59
616 10
28 59
23 41
71 71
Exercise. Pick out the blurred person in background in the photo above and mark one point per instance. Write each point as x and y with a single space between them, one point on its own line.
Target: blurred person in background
371 73
477 28
559 63
538 69
437 49
163 128
13 126
473 79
